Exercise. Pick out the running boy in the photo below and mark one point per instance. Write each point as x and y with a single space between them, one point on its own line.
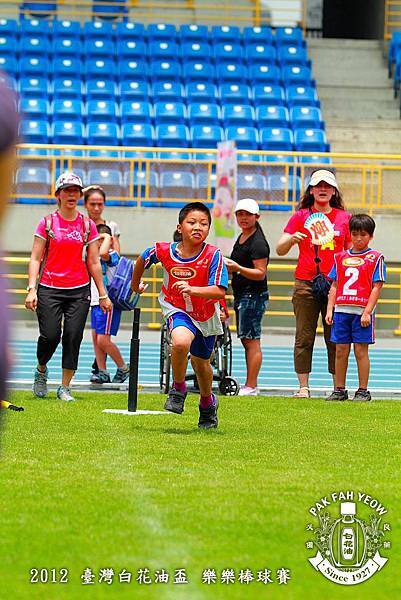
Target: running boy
105 325
195 279
358 275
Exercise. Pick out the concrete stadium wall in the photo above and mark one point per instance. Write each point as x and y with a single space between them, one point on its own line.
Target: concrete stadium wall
141 227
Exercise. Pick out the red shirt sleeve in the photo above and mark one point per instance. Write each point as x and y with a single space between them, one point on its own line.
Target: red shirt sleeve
294 224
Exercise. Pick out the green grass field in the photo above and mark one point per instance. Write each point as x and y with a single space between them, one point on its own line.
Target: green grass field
81 488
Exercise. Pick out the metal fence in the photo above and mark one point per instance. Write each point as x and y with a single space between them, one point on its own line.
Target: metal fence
392 17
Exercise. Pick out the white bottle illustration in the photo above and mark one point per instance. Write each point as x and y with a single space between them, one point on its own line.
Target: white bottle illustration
348 538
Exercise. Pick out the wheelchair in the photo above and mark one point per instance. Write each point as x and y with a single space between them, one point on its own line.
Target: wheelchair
221 361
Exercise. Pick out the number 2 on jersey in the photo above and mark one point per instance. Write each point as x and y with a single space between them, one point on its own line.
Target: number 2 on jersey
353 275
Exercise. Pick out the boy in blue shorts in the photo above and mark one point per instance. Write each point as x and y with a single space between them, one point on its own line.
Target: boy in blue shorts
358 275
195 280
105 325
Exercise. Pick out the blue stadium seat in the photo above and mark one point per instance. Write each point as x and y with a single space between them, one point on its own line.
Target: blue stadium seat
101 68
272 116
66 28
34 108
110 179
311 140
203 113
225 34
276 138
301 95
206 186
129 30
8 45
176 184
137 91
173 161
68 110
288 36
206 136
35 27
163 50
248 157
137 134
244 137
196 51
9 65
293 55
201 91
134 70
131 49
8 26
97 30
101 89
165 70
67 87
37 9
167 91
231 72
110 9
32 46
306 117
68 132
35 131
297 75
99 48
264 74
103 134
172 136
268 94
169 112
102 111
66 47
317 160
234 93
194 33
227 53
33 65
143 184
100 153
260 53
136 112
283 189
194 71
67 67
29 153
32 180
36 87
257 35
161 31
238 114
251 185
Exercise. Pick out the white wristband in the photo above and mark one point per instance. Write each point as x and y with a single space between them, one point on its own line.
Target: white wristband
103 297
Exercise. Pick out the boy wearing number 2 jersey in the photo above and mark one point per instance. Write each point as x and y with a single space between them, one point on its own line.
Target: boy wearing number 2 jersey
358 275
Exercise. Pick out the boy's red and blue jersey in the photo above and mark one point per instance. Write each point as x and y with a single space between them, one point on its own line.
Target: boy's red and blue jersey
355 274
205 269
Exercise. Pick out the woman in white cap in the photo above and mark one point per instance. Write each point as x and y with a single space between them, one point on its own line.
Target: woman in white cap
247 264
62 260
319 229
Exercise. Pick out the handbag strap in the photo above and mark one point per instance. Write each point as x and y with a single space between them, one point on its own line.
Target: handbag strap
317 260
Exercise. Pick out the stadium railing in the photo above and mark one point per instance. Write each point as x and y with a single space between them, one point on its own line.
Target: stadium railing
392 17
279 313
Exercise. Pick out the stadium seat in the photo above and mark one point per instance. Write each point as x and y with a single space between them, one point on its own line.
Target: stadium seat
293 55
284 190
99 48
316 160
161 31
37 9
206 187
32 46
194 71
101 68
288 36
264 74
137 134
102 111
306 117
9 65
137 91
247 157
67 88
110 179
231 72
128 49
200 113
227 53
297 75
244 137
132 70
251 186
35 131
67 132
67 67
8 26
97 30
66 47
176 184
196 51
32 66
238 114
141 184
35 27
110 9
194 33
136 112
167 91
272 116
300 95
36 87
225 34
172 136
173 161
8 45
260 54
173 113
276 138
99 134
68 110
311 140
34 108
201 92
257 35
32 180
101 89
163 50
206 136
65 28
234 93
165 70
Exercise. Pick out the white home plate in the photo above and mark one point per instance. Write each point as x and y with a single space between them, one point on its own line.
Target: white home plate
138 412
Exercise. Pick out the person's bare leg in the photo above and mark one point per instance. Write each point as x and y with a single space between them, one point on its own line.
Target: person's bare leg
181 340
361 352
253 358
342 354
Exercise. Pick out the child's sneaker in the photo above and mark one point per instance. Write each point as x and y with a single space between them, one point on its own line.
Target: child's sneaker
362 396
63 393
338 395
248 391
208 416
175 401
121 375
100 377
40 383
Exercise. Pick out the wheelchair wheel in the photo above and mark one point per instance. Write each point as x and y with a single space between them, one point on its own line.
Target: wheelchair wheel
228 387
165 361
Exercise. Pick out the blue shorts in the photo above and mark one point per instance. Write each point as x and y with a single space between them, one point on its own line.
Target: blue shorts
249 310
201 347
105 323
347 329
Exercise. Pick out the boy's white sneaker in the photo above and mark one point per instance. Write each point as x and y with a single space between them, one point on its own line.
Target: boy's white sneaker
248 391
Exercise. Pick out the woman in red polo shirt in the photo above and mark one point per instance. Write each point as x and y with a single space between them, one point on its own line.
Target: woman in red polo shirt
320 229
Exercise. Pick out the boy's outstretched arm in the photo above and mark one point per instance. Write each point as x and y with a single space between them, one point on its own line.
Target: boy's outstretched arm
210 292
137 274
